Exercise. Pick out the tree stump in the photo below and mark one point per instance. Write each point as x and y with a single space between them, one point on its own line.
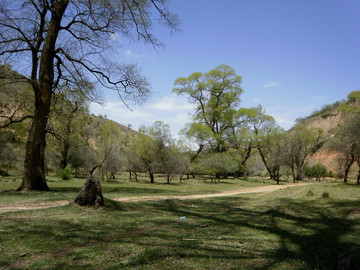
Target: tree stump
90 194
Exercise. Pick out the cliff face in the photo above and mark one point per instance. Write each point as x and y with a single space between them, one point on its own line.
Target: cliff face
325 122
328 122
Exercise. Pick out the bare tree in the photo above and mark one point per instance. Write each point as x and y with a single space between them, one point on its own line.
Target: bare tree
67 42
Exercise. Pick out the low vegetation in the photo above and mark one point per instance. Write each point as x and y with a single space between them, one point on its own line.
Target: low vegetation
285 229
122 187
46 130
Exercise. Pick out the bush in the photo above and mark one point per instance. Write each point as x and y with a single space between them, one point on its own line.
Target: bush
65 174
310 193
318 170
331 174
325 195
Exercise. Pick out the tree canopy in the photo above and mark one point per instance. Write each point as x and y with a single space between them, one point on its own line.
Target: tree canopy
216 95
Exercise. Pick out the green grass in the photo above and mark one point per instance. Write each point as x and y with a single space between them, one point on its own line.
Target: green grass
285 229
122 187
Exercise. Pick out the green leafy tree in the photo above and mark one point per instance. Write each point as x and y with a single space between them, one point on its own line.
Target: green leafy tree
149 150
271 147
267 140
216 95
69 42
144 154
108 149
66 121
317 171
216 164
199 134
240 137
301 142
346 141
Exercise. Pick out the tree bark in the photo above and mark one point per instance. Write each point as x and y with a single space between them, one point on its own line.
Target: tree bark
347 168
277 173
65 155
34 165
152 181
265 163
201 146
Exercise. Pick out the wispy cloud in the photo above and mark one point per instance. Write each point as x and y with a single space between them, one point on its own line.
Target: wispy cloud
271 84
256 100
172 103
171 109
118 112
285 116
129 53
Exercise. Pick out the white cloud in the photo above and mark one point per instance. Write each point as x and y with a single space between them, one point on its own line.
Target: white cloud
285 116
171 109
256 100
118 112
172 103
271 84
129 53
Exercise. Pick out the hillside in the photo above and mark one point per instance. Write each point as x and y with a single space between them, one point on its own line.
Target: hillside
328 119
74 135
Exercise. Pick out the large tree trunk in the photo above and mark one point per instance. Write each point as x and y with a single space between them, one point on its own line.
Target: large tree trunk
201 146
277 175
34 166
65 154
265 163
65 142
347 168
299 174
152 181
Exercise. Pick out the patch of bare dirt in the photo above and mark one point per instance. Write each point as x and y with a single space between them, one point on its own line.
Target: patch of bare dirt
49 204
265 189
31 206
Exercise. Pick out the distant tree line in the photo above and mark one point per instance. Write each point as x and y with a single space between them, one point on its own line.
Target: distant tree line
223 139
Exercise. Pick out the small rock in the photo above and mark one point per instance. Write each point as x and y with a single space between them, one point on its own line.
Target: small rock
25 254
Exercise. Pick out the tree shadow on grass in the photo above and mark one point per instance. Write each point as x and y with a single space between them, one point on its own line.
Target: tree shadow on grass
289 234
306 233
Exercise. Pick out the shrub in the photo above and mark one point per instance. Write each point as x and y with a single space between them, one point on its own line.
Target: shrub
325 195
310 193
65 174
318 170
331 174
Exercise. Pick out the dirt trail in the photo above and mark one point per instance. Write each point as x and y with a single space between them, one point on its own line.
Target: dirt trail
261 189
49 204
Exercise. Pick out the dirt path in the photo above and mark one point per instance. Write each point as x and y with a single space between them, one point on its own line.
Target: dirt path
265 189
49 204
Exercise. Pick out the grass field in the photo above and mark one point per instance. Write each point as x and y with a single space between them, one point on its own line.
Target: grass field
122 187
293 228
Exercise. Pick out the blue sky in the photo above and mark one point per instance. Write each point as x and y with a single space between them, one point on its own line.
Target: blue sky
294 57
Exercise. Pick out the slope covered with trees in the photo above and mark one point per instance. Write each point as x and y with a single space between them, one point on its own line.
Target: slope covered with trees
67 43
230 139
340 122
